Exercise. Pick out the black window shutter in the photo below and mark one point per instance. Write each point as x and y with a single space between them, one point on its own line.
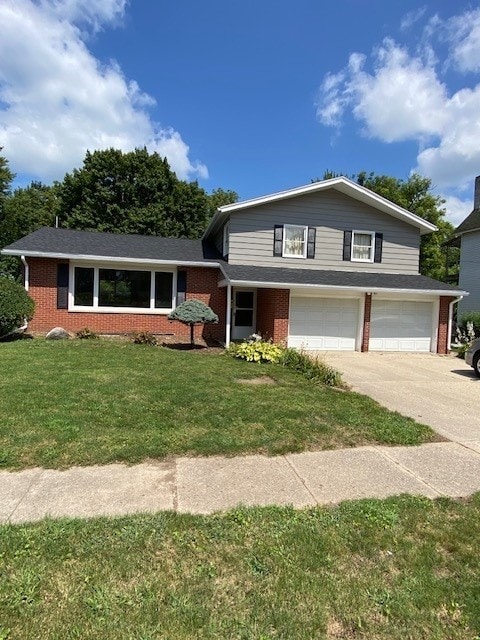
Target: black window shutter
347 245
62 285
378 247
311 242
181 286
278 240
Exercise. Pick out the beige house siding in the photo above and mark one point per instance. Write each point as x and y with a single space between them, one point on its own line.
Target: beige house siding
332 213
469 279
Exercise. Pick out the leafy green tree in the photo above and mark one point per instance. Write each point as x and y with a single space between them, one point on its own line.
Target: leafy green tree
24 211
221 197
191 313
415 195
15 306
134 192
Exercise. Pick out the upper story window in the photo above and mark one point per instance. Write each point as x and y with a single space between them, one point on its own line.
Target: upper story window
363 246
99 289
294 241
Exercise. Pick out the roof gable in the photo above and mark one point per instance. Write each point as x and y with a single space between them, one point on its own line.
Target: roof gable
471 223
341 184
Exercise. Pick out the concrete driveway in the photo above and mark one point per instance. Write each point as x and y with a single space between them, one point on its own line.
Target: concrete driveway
441 391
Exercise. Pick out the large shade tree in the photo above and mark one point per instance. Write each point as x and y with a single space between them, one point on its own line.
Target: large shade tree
134 192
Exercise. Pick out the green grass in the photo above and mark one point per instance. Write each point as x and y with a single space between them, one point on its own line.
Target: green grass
399 569
94 402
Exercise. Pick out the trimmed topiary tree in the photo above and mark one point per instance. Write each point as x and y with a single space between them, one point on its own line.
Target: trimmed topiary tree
192 312
16 306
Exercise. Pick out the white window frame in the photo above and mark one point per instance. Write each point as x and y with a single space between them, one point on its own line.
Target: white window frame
226 239
305 239
95 308
372 246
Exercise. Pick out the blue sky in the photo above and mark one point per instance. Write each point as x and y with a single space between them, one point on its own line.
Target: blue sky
255 96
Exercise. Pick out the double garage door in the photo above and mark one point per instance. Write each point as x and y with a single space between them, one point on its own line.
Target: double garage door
333 324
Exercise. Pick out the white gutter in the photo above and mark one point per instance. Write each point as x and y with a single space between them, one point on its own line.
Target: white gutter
450 319
365 289
228 319
90 258
26 273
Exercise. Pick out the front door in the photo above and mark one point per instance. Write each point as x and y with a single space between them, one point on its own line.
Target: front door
243 313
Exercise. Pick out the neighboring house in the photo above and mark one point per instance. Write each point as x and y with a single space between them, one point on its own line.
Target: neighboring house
330 265
469 275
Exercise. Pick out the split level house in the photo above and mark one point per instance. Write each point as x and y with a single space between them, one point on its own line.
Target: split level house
330 265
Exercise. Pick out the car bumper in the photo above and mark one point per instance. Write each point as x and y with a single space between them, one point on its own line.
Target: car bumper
469 357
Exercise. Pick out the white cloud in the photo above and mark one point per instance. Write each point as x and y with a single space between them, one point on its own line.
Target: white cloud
402 97
457 209
57 100
412 17
463 32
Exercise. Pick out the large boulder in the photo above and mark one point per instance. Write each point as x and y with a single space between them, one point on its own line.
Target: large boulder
58 333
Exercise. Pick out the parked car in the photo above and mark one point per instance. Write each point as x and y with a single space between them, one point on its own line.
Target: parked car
472 356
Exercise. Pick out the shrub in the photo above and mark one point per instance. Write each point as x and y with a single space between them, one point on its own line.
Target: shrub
86 334
312 368
16 306
256 351
473 318
192 312
144 337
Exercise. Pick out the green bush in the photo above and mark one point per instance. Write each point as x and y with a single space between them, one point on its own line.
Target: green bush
312 368
144 337
86 334
474 318
16 306
192 312
254 349
258 351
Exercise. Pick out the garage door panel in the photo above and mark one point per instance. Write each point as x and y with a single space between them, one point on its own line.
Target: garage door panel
401 325
323 323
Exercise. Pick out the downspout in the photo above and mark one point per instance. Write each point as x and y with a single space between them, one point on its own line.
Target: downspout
26 273
450 319
228 318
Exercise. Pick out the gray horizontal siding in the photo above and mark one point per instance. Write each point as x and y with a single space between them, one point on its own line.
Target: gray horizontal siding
251 234
469 279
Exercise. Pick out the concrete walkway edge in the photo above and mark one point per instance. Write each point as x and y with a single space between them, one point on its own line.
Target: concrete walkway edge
206 485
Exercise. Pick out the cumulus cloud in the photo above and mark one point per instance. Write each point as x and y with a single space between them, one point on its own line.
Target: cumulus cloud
397 94
57 100
457 209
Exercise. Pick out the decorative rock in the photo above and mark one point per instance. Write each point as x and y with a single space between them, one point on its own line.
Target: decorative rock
57 334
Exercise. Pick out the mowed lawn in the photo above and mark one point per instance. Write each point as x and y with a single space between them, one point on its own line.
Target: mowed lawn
85 402
405 568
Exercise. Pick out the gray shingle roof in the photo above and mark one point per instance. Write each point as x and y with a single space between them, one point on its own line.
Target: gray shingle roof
66 242
320 277
471 223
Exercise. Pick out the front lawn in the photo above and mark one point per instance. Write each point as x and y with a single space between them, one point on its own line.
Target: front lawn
98 401
405 568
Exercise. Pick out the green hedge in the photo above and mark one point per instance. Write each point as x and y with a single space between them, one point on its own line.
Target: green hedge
16 306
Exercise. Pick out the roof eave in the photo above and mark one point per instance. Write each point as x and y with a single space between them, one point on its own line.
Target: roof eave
362 289
109 259
342 184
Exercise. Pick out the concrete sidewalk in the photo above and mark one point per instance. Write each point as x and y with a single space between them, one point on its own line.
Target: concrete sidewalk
205 485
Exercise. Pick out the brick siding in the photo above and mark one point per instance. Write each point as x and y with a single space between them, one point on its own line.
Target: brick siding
366 323
202 284
443 339
272 314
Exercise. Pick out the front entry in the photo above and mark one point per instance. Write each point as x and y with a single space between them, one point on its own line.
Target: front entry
243 313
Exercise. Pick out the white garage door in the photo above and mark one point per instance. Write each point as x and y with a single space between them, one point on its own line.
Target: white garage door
398 325
323 323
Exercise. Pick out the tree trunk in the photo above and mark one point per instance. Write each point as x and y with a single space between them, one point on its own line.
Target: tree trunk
192 336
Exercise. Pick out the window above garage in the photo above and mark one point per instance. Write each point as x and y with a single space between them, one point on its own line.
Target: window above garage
362 246
294 241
